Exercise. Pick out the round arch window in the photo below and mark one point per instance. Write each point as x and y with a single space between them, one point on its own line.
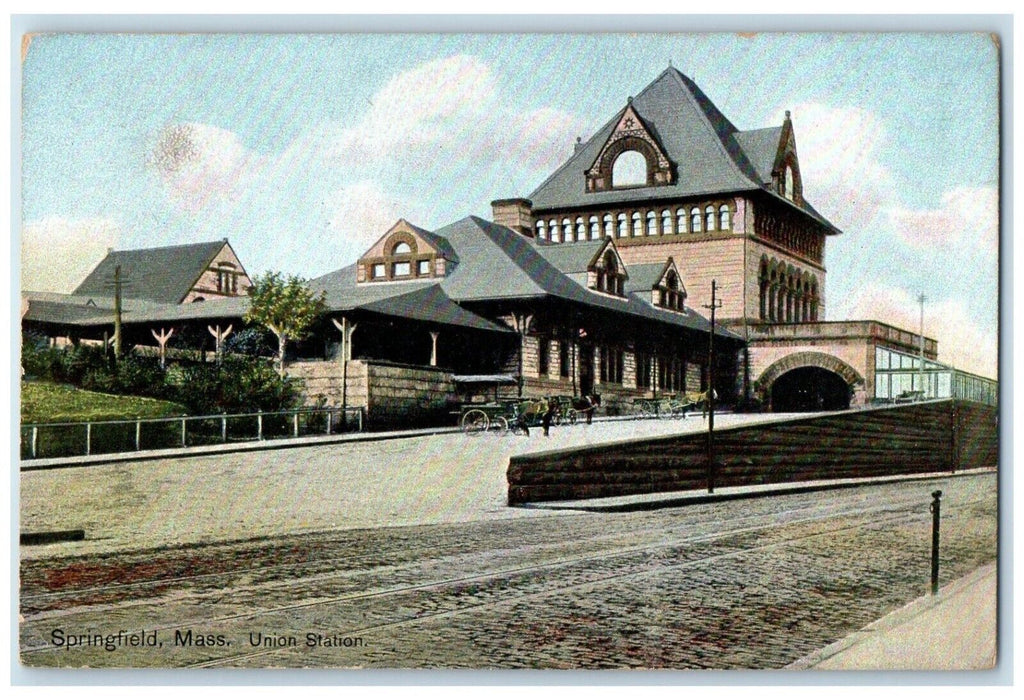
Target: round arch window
629 169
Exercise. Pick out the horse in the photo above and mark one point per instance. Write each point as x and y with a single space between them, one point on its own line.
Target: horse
692 399
587 404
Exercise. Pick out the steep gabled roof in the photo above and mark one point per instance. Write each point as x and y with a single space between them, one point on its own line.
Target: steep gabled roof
572 258
499 263
710 154
421 301
695 134
761 147
158 274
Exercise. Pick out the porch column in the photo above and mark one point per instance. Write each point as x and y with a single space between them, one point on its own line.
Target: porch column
219 337
161 339
433 348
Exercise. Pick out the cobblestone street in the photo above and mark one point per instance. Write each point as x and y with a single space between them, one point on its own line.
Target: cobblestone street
751 583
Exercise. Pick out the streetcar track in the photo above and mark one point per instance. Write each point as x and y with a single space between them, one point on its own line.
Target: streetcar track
324 562
860 513
602 580
787 518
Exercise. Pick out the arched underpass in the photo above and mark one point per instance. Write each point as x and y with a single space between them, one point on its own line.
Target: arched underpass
809 389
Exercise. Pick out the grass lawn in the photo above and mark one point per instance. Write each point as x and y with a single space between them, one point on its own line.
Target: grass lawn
42 402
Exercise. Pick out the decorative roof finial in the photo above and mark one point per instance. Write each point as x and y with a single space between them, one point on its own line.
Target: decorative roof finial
670 63
629 99
787 115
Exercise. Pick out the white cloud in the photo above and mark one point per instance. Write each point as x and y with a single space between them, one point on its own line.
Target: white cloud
57 253
360 213
201 164
966 342
965 214
452 107
843 176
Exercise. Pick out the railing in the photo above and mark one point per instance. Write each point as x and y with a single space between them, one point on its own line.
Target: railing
41 440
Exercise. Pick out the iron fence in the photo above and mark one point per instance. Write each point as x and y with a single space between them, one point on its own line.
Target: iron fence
42 440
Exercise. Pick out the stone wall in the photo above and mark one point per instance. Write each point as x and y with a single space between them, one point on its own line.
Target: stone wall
391 395
930 437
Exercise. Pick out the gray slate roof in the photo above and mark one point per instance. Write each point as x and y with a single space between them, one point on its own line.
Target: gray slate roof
643 277
158 274
761 147
704 145
422 301
517 267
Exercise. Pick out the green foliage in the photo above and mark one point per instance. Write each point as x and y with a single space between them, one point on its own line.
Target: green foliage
252 341
43 402
287 306
240 384
237 385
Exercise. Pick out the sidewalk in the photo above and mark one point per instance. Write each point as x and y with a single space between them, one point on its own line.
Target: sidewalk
952 631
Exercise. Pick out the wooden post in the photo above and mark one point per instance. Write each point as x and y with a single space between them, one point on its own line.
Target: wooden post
161 340
219 338
223 428
295 422
259 425
433 348
347 329
88 438
138 434
35 438
183 444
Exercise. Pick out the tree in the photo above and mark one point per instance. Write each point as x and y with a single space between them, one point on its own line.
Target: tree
287 306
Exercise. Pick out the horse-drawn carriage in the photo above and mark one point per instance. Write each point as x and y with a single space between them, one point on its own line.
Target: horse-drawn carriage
519 415
671 405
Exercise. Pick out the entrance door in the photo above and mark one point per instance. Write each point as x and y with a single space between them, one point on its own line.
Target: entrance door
586 370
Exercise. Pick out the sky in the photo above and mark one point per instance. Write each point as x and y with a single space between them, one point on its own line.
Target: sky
304 149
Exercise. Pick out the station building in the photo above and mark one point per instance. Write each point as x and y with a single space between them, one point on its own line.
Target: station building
597 282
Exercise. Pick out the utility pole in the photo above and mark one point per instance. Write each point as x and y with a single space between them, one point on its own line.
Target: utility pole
118 285
920 299
715 304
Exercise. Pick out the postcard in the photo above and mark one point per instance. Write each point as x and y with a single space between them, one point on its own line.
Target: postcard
560 351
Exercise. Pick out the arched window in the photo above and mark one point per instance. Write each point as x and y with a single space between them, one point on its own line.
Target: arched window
595 229
637 224
629 170
622 226
709 215
763 289
680 221
581 229
542 230
556 236
724 218
695 220
401 248
666 222
609 227
652 224
788 183
567 230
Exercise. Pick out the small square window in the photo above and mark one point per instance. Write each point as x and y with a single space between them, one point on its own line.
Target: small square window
378 270
401 269
423 267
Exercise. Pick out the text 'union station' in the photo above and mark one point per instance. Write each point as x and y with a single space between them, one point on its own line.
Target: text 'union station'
597 282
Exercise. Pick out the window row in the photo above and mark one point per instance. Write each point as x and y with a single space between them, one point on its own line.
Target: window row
544 357
787 295
671 372
402 268
637 224
790 234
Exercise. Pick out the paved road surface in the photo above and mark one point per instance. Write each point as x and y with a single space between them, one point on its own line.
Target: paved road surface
742 584
413 481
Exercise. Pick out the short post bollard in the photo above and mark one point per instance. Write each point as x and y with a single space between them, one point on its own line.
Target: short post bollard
934 508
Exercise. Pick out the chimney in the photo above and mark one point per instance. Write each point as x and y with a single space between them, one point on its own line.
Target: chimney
516 214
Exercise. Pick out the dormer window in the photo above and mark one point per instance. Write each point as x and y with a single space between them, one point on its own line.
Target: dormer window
631 157
669 292
609 277
405 253
789 191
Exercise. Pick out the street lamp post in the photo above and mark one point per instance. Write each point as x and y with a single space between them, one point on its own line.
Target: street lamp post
715 303
924 391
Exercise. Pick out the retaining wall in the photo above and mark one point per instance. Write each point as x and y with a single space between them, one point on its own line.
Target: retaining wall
927 437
